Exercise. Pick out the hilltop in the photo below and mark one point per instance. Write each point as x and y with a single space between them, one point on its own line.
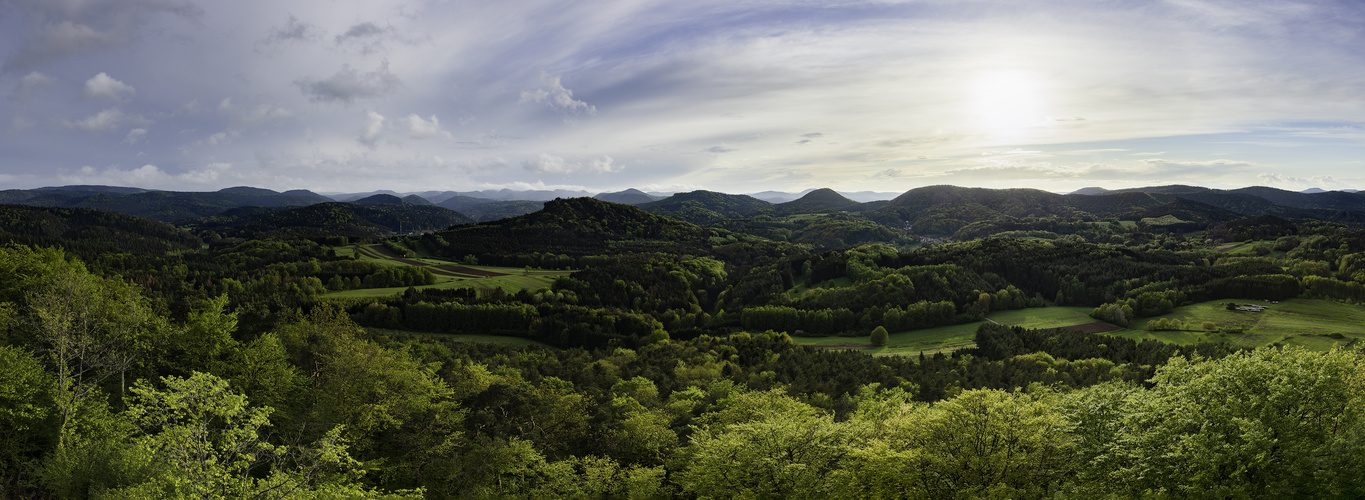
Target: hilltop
581 226
702 207
351 220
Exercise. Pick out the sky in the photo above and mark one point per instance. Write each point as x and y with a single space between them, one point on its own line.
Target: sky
733 95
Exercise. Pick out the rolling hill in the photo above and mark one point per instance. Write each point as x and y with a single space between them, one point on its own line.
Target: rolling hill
327 219
703 207
581 226
165 206
818 201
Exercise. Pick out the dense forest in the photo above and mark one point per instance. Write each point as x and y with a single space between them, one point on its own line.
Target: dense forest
667 353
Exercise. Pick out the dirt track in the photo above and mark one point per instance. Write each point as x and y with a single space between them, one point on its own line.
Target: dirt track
380 251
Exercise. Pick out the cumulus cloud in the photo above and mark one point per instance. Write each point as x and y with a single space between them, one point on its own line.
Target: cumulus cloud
363 31
293 31
30 83
223 137
349 85
374 126
425 129
105 86
554 96
148 176
56 41
545 163
71 28
107 120
135 136
1272 178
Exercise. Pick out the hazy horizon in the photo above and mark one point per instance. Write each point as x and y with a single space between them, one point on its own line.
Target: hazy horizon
735 97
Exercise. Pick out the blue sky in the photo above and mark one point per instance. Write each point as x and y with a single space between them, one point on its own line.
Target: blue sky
733 96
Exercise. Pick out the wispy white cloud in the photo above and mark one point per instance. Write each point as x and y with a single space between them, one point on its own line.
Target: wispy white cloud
544 163
108 120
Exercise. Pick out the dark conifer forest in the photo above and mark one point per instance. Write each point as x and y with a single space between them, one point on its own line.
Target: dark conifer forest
948 343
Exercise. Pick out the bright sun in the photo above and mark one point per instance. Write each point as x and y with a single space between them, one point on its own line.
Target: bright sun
1007 104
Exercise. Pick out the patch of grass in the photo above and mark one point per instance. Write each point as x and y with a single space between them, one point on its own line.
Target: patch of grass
953 337
514 279
1315 324
841 282
462 337
928 340
1044 317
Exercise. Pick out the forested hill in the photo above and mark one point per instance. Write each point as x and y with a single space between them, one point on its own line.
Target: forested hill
485 210
166 206
90 233
818 201
325 220
945 210
628 197
704 207
579 227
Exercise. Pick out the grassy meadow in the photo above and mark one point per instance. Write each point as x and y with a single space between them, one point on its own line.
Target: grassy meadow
1310 323
509 279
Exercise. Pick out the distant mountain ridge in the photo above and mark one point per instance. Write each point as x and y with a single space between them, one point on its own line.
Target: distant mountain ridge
628 197
578 226
165 206
352 220
930 210
702 207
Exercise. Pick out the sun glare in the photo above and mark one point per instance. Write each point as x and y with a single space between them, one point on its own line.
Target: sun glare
1007 105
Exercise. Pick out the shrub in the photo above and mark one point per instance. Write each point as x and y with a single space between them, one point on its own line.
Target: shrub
878 337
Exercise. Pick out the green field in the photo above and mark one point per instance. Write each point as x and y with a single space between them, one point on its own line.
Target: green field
462 337
949 338
509 279
1315 324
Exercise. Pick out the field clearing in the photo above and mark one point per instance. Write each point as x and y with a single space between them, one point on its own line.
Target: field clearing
448 274
840 282
1043 317
1310 323
463 337
928 340
954 337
